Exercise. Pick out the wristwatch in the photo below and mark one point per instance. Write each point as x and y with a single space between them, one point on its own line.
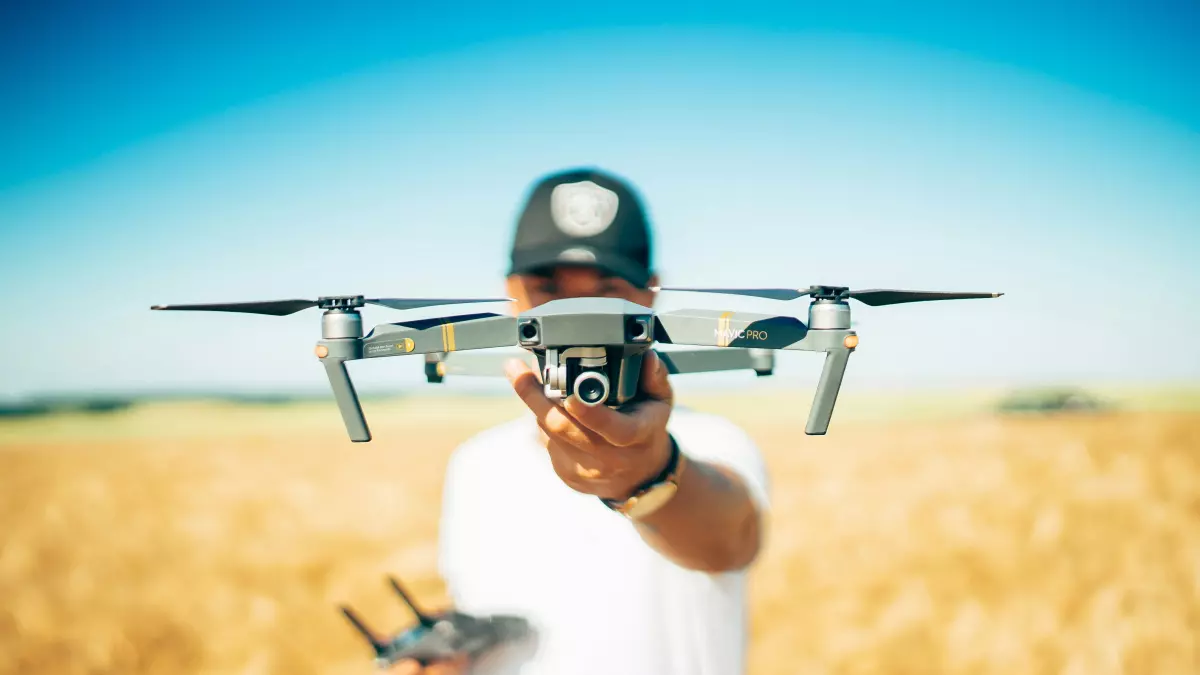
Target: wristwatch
654 493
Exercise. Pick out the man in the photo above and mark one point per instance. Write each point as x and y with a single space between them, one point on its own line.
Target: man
535 518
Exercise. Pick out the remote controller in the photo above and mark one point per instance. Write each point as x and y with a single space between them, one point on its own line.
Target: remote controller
439 636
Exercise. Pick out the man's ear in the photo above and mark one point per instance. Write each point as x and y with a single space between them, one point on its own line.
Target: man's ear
651 295
515 289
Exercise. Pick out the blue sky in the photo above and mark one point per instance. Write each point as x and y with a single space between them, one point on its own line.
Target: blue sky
157 154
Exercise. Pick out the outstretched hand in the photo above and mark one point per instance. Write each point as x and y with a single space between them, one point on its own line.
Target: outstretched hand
597 450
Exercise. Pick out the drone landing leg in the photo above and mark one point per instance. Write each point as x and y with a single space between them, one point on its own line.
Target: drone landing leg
827 391
347 399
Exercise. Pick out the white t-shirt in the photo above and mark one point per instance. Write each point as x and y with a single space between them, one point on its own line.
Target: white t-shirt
517 540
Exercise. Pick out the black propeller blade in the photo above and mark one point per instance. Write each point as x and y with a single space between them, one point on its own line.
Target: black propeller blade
285 307
884 296
413 303
768 293
874 297
271 307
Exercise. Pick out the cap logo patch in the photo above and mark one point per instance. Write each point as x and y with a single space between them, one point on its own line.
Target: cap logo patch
582 209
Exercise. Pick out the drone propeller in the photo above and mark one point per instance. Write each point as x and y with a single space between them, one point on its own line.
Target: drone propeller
877 297
874 297
285 307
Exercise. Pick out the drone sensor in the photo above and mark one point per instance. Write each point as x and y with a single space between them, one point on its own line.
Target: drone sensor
528 332
638 328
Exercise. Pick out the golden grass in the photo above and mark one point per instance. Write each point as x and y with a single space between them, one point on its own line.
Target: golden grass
217 539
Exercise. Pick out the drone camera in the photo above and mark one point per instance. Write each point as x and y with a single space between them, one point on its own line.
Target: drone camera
592 387
528 332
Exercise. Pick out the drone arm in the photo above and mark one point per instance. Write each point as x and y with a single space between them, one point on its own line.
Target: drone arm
477 364
712 360
766 332
709 328
678 361
441 334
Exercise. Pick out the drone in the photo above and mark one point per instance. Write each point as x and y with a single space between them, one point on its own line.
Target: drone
439 636
593 348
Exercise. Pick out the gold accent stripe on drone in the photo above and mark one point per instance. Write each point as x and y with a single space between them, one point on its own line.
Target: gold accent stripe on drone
724 335
447 337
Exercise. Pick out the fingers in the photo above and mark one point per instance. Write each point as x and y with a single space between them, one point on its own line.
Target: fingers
619 428
629 428
581 426
525 382
455 666
573 465
405 667
551 417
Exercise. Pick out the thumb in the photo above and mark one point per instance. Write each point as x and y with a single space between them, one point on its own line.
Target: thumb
514 368
654 378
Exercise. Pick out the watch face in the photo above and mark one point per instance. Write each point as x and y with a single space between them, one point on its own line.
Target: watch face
650 502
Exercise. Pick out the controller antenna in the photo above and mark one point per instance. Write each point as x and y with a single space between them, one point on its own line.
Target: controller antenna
426 620
367 633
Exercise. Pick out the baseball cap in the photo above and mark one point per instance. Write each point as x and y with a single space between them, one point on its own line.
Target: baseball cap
584 217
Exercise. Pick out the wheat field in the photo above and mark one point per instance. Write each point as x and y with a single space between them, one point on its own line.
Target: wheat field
218 539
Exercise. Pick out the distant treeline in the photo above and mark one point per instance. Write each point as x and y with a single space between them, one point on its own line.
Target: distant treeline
1053 399
110 403
47 407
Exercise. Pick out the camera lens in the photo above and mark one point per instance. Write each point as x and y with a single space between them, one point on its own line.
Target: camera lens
592 387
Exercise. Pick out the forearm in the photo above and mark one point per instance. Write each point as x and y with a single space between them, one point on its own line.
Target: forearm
711 524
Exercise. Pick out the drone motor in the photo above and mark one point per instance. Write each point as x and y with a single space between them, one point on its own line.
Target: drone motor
829 314
341 324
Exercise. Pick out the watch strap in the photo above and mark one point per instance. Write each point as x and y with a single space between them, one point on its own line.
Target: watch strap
667 474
